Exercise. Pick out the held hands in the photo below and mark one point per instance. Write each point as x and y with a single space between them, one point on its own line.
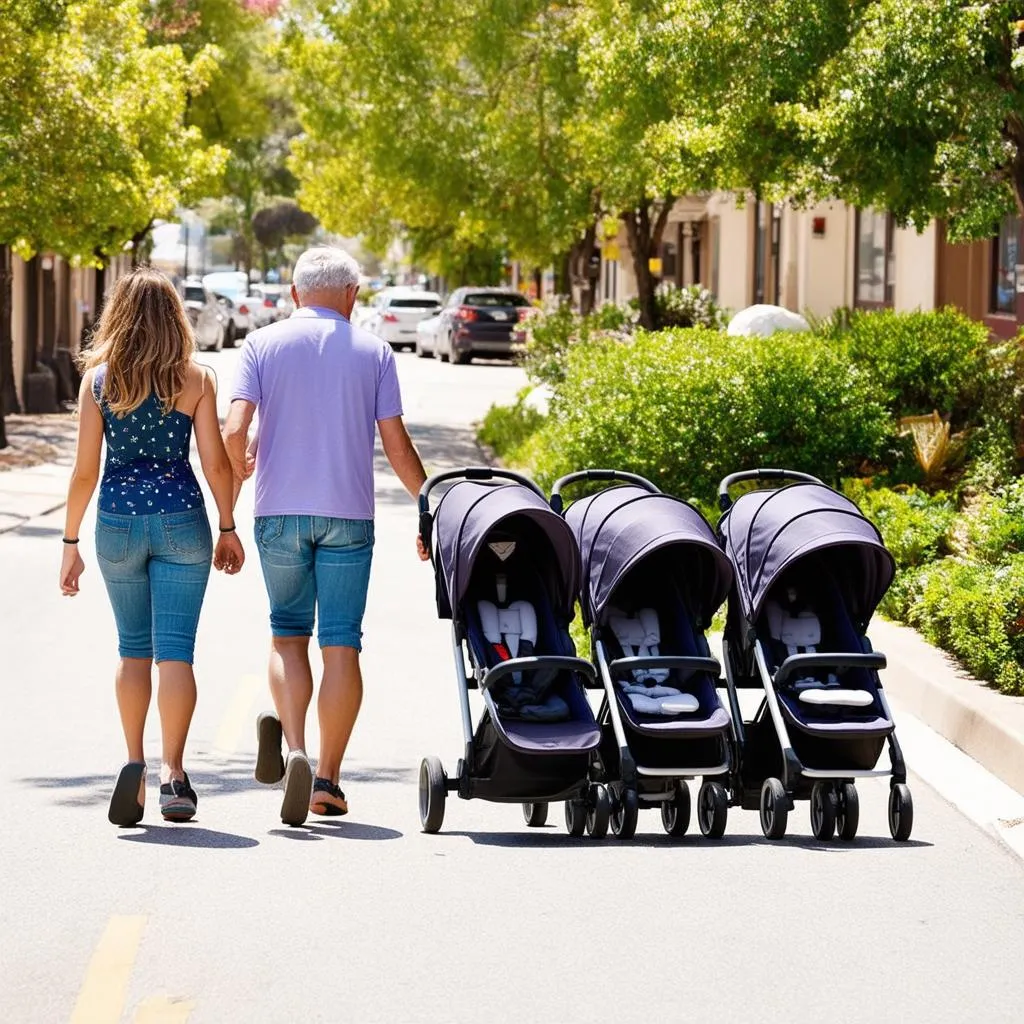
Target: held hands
421 549
229 555
71 569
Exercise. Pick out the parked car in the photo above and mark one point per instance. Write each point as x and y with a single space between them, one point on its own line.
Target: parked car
426 336
205 315
272 298
395 316
231 289
480 322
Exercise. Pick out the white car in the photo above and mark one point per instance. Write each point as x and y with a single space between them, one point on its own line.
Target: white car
426 336
397 313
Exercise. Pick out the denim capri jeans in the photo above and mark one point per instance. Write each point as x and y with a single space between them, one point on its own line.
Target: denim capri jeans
156 568
316 566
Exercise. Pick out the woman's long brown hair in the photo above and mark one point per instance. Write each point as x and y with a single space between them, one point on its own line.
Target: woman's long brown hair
146 341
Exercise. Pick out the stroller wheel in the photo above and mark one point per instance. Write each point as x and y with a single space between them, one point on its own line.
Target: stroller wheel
535 815
575 817
824 808
624 817
433 791
712 809
675 813
849 812
598 812
774 809
901 812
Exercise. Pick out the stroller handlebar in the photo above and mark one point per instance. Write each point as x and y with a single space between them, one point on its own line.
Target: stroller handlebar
466 473
725 502
600 476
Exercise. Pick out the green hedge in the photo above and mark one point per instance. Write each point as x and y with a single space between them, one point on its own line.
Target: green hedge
919 362
506 427
686 407
976 612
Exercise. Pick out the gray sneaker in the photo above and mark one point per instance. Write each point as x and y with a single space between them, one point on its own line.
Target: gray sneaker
298 788
269 762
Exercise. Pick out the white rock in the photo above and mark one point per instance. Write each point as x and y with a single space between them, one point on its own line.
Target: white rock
539 399
764 320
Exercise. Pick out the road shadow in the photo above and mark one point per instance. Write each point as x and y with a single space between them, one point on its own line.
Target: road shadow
211 774
554 838
189 835
352 830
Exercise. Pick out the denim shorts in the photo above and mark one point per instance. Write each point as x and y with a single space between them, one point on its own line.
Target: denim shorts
316 566
156 568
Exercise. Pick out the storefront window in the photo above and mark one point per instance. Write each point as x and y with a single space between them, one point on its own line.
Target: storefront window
1004 267
875 262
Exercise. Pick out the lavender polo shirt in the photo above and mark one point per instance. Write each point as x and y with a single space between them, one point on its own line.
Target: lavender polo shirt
319 385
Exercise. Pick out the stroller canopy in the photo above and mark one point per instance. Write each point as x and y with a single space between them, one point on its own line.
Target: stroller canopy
620 526
469 512
767 532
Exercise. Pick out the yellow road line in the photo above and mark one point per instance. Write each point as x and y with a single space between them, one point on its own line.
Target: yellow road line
238 716
101 999
164 1010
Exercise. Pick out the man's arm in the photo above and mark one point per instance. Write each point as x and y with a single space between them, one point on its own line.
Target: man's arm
236 439
402 454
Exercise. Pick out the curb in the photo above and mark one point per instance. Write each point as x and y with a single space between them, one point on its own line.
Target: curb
983 723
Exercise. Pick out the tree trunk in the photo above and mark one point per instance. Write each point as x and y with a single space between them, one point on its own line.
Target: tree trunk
645 226
580 257
32 313
563 273
8 391
49 337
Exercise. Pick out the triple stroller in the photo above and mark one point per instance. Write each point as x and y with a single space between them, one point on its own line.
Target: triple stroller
802 571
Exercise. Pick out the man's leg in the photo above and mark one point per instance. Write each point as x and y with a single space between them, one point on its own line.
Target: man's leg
291 686
341 694
285 546
343 556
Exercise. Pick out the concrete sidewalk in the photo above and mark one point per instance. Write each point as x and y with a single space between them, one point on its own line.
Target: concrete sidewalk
34 467
986 724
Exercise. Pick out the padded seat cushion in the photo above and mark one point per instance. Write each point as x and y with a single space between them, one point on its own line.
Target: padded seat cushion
836 696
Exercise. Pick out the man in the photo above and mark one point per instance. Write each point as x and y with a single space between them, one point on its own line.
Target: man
320 385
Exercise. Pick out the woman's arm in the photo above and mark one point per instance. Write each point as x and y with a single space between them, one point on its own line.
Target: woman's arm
218 473
84 476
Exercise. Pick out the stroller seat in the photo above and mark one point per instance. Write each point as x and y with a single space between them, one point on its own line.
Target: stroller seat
795 628
511 631
640 636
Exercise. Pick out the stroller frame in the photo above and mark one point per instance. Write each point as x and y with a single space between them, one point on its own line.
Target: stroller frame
637 783
775 797
434 783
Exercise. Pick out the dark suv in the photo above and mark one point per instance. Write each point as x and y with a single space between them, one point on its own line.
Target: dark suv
480 322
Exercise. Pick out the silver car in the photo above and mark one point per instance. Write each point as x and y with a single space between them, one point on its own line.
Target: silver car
205 315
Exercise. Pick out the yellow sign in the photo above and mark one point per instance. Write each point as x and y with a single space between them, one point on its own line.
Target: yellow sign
610 251
654 266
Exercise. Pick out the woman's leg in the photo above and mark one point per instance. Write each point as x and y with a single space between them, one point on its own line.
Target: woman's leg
178 574
122 550
134 688
176 701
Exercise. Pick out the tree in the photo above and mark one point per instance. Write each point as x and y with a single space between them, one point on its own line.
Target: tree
444 123
913 106
246 107
281 222
92 139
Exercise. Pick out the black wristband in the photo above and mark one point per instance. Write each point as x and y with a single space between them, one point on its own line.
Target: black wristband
68 540
227 529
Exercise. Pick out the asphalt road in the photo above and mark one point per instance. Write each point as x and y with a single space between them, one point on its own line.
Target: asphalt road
235 918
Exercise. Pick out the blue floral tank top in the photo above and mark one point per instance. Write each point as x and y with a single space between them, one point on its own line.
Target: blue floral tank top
147 471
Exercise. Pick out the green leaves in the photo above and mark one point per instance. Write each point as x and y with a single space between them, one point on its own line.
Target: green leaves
92 139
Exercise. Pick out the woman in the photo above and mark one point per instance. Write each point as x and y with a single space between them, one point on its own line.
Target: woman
142 392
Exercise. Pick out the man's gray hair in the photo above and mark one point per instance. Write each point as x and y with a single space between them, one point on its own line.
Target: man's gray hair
325 268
